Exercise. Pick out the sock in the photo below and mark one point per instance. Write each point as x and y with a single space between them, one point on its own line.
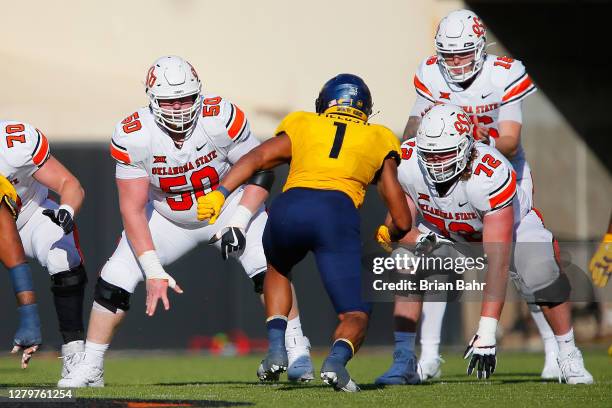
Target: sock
94 353
404 341
276 326
566 343
548 337
294 328
432 318
342 350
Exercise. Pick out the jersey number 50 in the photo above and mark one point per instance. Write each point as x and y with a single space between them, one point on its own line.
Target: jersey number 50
167 184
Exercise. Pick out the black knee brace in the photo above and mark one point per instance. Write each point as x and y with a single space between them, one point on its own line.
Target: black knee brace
69 282
554 294
111 297
68 291
258 282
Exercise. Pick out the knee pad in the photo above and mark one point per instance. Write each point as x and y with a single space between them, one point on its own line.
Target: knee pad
70 282
258 282
554 294
111 297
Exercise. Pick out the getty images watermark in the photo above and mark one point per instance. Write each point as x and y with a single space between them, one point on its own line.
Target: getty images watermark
538 272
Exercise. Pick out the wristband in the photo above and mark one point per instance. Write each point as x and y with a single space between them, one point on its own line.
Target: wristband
67 208
608 237
151 266
487 328
241 217
223 191
153 269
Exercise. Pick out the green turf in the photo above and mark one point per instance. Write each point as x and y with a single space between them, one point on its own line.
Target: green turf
232 380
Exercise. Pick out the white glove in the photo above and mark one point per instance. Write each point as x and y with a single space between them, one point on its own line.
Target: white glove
482 349
427 243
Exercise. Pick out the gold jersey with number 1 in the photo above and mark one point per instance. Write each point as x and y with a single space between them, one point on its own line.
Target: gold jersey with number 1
336 152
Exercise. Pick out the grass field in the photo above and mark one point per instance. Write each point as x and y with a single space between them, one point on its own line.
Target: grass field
226 381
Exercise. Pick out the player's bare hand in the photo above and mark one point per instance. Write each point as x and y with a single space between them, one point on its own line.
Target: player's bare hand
158 289
27 353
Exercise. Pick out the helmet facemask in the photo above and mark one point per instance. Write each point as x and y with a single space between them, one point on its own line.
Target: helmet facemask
441 170
181 121
468 70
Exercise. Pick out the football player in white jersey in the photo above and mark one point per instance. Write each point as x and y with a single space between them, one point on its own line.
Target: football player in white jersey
467 191
47 229
491 90
28 337
168 154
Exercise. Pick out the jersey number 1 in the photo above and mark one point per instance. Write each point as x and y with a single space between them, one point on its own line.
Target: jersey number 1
338 139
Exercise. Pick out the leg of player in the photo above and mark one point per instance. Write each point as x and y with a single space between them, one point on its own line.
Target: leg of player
58 252
544 282
404 370
551 349
430 361
28 337
278 301
570 359
298 346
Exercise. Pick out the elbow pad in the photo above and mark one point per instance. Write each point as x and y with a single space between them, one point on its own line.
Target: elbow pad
263 179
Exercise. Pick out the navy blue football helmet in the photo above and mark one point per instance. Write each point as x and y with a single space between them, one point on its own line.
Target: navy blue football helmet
345 94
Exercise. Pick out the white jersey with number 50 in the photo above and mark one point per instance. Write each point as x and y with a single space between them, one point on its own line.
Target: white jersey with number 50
459 214
178 176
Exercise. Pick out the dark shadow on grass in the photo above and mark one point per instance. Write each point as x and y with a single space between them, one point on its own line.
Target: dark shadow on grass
28 385
124 403
173 384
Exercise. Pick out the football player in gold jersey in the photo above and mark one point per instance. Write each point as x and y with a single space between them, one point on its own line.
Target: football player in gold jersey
28 337
333 154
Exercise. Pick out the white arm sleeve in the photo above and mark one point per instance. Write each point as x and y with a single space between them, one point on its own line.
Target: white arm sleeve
420 105
511 111
129 171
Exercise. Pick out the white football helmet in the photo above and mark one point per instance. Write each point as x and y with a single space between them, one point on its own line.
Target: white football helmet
461 32
444 142
172 77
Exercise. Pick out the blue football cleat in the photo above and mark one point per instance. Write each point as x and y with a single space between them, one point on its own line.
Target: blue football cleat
335 374
273 365
403 371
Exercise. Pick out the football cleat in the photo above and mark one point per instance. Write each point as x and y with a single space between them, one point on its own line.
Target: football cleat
72 355
273 365
83 375
403 371
430 368
300 365
572 369
335 374
551 367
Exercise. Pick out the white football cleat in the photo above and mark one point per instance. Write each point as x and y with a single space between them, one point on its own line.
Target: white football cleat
572 369
430 368
83 375
551 367
72 354
300 365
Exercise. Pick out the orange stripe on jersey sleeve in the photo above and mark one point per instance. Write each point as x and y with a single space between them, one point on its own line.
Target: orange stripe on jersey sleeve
237 123
119 155
505 194
521 87
421 86
43 151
